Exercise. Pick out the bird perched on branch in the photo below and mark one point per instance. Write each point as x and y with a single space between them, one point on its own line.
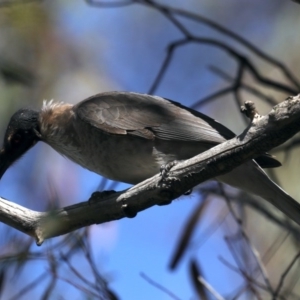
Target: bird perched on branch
128 136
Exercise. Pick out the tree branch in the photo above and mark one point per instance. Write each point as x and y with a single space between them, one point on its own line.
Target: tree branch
263 134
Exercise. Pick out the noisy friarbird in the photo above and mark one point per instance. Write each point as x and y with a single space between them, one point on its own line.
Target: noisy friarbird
128 137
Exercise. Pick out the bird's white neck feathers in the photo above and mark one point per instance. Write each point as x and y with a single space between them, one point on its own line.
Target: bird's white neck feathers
54 118
51 105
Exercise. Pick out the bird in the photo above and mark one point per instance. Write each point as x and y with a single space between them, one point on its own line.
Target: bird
127 137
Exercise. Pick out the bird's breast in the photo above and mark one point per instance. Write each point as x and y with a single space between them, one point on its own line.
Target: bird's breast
126 158
118 157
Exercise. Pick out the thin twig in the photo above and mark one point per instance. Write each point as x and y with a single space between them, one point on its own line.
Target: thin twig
210 289
246 238
159 286
284 274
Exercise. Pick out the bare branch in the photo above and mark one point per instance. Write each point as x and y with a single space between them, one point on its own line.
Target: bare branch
187 232
195 274
264 133
283 276
253 250
168 10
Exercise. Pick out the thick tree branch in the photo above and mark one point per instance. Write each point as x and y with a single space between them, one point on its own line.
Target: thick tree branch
263 134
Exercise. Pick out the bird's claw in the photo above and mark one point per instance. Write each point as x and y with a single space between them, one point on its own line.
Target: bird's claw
128 212
165 169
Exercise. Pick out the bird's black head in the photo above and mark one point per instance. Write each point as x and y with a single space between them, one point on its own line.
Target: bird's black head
21 134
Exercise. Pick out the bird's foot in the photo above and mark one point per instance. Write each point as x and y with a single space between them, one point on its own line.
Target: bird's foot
165 169
128 211
165 180
99 196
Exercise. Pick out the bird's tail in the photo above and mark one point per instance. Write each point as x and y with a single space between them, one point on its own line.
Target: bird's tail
251 178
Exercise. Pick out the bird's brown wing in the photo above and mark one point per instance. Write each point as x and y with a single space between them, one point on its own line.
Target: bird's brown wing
126 113
153 117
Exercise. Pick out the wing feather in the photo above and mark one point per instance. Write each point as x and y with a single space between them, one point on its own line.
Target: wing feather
132 113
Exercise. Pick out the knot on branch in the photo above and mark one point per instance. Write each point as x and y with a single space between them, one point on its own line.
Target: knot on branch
249 110
297 98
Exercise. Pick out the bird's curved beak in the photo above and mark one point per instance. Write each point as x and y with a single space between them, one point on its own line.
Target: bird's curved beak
5 162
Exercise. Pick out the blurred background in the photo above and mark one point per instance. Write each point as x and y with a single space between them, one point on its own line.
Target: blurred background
210 55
